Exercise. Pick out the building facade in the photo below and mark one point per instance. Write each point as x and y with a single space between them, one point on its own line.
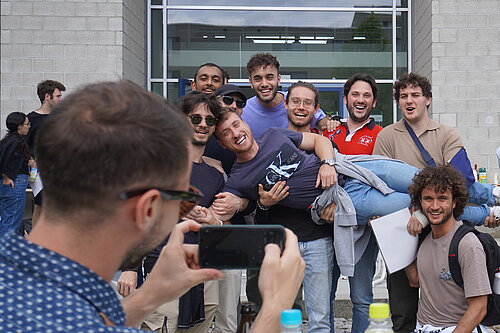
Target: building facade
160 43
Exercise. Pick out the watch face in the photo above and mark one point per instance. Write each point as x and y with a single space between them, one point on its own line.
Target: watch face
328 161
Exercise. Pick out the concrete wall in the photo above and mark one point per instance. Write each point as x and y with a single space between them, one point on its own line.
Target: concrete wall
463 64
75 42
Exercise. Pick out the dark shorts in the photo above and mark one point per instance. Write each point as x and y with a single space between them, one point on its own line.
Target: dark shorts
37 200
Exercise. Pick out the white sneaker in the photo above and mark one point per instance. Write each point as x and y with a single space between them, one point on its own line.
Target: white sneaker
496 194
496 212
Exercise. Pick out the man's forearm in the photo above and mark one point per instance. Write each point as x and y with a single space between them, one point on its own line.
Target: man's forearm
474 314
138 306
267 321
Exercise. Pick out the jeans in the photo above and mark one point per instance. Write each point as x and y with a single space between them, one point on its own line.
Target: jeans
12 202
370 202
318 256
360 285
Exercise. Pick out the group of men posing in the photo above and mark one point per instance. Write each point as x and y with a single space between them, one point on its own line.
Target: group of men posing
269 172
275 166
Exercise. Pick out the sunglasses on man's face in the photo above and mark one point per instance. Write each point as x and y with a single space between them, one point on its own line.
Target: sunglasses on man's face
188 199
228 100
209 120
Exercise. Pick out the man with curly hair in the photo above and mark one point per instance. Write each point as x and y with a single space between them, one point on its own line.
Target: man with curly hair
441 195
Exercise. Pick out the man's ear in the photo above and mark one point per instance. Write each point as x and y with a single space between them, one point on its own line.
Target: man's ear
146 208
193 85
374 103
46 97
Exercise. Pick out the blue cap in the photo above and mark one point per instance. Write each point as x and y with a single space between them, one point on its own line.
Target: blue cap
291 317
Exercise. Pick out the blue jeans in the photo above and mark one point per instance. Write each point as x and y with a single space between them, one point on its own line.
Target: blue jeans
318 256
370 202
12 202
360 285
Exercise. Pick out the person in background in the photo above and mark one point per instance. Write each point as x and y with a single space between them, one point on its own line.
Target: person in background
50 94
14 158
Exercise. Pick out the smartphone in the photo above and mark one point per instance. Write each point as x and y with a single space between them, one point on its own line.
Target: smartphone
237 246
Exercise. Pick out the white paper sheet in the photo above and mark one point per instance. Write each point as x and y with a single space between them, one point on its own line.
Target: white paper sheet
398 247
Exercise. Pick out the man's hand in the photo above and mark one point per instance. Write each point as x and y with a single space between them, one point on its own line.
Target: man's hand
414 226
175 272
227 204
216 164
491 221
203 215
328 124
328 213
7 181
327 176
127 282
279 281
278 192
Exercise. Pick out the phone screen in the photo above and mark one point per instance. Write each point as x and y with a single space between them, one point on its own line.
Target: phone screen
237 247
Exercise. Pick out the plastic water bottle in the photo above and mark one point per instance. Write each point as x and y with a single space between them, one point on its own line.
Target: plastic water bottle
380 321
291 321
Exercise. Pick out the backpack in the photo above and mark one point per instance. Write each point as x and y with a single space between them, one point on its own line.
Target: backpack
492 251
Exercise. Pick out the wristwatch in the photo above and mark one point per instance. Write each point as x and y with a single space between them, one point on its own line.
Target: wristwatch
329 161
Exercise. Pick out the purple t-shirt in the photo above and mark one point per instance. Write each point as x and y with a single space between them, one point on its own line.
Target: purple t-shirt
278 158
260 118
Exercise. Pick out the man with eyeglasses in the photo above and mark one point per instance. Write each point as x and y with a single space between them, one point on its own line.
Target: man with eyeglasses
115 162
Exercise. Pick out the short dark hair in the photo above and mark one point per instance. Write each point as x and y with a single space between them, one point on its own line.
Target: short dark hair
48 87
440 178
211 64
361 77
307 85
412 80
189 102
106 138
262 60
14 120
224 114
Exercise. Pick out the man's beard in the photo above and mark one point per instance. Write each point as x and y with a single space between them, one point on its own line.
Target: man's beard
135 255
445 218
357 119
199 143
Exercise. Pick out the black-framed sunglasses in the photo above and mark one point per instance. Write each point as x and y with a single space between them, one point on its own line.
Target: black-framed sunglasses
209 120
188 199
228 100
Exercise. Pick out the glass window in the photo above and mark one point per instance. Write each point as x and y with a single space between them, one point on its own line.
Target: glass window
156 43
319 45
402 43
289 3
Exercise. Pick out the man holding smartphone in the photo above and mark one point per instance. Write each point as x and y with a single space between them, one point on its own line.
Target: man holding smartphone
70 255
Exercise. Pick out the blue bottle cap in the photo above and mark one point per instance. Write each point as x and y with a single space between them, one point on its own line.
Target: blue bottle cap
291 317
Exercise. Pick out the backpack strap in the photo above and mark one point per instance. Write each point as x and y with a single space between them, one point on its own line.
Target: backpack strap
454 265
425 154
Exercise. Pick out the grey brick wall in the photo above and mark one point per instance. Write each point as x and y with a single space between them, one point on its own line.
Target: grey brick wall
463 63
75 42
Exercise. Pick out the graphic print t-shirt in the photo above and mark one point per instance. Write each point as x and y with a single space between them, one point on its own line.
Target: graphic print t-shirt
278 158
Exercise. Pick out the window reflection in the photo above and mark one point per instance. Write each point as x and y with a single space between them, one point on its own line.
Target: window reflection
288 3
320 45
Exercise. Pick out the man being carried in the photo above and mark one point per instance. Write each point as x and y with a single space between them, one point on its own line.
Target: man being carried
441 195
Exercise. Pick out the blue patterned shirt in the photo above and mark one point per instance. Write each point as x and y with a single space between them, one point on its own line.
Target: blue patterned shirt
43 291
